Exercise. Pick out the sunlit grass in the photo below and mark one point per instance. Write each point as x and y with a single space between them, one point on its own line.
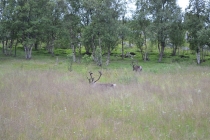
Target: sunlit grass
163 102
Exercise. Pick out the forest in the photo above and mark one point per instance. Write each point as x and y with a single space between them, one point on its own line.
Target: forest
97 27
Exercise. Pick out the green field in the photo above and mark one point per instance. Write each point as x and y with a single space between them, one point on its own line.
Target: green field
42 99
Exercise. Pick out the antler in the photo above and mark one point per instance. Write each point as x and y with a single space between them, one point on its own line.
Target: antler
91 79
134 65
98 77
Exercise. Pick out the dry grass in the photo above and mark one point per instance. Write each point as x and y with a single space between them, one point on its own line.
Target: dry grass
57 105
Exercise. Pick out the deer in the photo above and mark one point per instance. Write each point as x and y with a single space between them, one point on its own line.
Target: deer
136 67
94 84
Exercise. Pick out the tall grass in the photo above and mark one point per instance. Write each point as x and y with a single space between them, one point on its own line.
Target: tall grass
52 104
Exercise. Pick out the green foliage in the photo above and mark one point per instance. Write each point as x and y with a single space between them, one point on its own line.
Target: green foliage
69 23
87 59
177 32
204 37
195 17
154 22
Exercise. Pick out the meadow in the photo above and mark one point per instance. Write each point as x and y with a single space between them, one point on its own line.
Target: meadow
41 99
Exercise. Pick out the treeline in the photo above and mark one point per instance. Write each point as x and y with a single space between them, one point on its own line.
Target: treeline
100 25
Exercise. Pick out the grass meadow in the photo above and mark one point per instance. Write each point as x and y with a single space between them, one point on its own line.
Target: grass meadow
43 100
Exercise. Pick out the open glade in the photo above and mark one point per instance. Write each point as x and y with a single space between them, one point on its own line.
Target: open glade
45 103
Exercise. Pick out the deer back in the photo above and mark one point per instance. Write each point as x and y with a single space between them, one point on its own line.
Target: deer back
137 68
94 84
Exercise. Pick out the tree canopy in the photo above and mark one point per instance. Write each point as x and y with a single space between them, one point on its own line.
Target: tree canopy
101 25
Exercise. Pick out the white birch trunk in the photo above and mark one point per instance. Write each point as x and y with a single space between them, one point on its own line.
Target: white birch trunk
73 53
198 57
28 50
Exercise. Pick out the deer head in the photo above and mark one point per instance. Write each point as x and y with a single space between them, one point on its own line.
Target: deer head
91 79
136 67
93 82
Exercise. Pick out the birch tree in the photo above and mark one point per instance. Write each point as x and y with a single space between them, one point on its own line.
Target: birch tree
161 14
194 22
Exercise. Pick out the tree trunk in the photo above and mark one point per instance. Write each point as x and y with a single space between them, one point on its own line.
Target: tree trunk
108 56
122 48
36 46
28 50
80 52
10 46
3 47
16 48
52 47
145 42
174 50
161 51
6 47
100 53
158 47
73 53
94 50
142 53
178 50
48 46
202 58
145 56
130 44
198 55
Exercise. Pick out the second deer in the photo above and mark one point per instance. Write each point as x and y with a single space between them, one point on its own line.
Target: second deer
136 67
94 84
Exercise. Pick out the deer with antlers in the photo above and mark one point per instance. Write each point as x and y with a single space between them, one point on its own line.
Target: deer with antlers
92 82
136 67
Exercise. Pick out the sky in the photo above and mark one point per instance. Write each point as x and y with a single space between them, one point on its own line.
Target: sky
131 6
183 4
